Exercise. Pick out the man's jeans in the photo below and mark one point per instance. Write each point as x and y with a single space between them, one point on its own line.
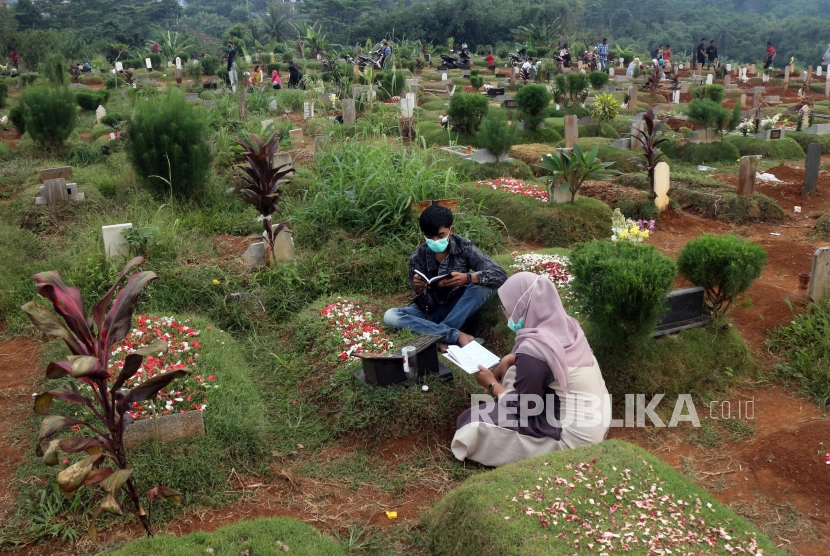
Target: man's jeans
446 320
232 79
602 61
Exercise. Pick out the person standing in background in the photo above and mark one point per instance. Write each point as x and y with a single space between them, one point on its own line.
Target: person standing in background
712 54
491 62
232 66
602 52
770 55
667 57
701 52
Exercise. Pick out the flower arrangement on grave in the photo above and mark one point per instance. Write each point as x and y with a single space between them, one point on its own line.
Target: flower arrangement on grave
357 332
626 229
182 351
746 126
552 267
518 187
602 511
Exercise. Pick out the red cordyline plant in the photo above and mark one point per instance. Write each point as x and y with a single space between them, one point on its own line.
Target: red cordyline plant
649 140
264 181
90 339
14 59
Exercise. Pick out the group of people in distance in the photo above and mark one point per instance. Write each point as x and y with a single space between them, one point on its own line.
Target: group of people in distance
550 364
256 77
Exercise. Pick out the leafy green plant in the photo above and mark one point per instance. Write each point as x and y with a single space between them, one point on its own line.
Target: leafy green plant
605 108
89 100
55 70
47 514
17 116
621 287
393 83
574 85
649 139
725 266
264 189
467 110
168 137
209 64
532 100
90 338
50 114
476 81
83 154
113 82
598 79
4 91
496 135
715 93
113 119
572 169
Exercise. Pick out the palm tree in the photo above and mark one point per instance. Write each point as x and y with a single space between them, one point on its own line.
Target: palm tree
276 24
724 30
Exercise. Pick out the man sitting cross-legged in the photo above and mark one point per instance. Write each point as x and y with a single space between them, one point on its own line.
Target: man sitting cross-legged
443 307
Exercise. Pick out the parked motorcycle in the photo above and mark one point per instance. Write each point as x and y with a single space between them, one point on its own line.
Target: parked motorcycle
363 61
519 58
463 60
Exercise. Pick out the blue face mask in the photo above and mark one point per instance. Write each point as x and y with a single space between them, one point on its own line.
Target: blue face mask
438 245
516 326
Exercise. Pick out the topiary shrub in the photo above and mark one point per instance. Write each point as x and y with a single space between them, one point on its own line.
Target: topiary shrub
182 55
50 114
725 266
83 155
89 100
704 153
595 130
6 151
467 110
209 64
269 68
55 70
476 81
4 91
532 100
621 287
714 93
111 82
805 140
112 119
598 79
92 79
783 149
167 145
17 116
496 135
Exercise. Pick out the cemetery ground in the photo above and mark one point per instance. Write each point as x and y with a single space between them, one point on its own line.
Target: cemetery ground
290 434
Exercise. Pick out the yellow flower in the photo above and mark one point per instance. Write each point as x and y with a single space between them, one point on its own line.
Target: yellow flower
216 282
645 233
624 234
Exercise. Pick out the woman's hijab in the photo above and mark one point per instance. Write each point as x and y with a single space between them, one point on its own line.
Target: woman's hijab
548 332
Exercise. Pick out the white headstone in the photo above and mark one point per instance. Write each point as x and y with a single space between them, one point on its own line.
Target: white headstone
661 185
676 97
115 244
611 72
255 254
764 77
178 63
443 77
818 71
710 79
406 108
148 63
728 67
119 66
100 112
622 61
820 275
308 110
248 58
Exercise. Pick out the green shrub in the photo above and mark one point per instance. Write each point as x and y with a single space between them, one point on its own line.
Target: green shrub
467 110
112 119
476 81
705 153
595 130
223 74
605 108
50 114
134 63
184 56
783 149
715 93
552 225
155 60
805 343
638 209
574 85
622 159
621 288
113 81
27 79
55 70
209 64
269 69
598 79
92 79
805 140
17 116
168 143
475 511
83 154
6 151
89 100
259 536
4 91
393 83
539 135
706 112
532 100
435 105
822 227
496 135
725 266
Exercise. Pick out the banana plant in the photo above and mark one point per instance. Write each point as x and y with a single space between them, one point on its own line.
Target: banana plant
91 338
570 170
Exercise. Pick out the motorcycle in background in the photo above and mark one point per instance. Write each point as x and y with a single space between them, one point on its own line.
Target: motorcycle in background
463 60
517 59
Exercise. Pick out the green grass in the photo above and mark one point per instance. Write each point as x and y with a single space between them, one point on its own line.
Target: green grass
258 537
484 519
805 345
555 225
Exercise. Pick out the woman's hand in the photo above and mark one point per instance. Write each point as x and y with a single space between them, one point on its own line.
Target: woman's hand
484 376
506 362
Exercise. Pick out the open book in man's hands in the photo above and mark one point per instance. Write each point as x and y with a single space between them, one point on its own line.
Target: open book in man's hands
432 282
471 356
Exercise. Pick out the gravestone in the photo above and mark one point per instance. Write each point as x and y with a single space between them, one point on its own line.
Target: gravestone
684 310
698 79
753 69
743 99
263 124
579 65
148 63
284 246
297 139
811 168
64 172
684 87
443 77
406 108
255 254
349 114
586 120
208 102
703 136
728 67
194 97
624 143
54 191
621 62
746 177
786 74
819 288
178 63
308 110
356 92
119 67
662 182
727 81
710 79
817 129
827 86
818 71
676 97
510 104
637 126
611 72
243 103
165 428
770 134
571 131
632 94
282 159
772 99
115 244
756 98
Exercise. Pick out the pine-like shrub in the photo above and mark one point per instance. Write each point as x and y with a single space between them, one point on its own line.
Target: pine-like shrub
167 145
496 135
621 287
725 266
55 70
17 116
6 152
155 60
532 100
467 110
476 81
4 91
91 100
715 93
50 114
598 79
209 64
